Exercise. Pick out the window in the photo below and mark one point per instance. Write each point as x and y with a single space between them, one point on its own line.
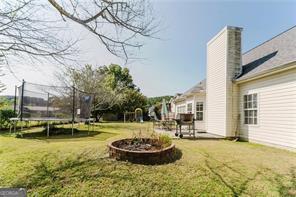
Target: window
199 111
250 109
189 108
181 109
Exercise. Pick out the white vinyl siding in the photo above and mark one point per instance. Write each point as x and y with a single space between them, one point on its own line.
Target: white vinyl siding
216 84
223 63
276 110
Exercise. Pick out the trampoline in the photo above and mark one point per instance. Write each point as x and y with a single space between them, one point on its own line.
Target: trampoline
43 103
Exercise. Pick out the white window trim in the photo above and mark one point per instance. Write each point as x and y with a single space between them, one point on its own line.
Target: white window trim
203 111
191 107
258 110
180 106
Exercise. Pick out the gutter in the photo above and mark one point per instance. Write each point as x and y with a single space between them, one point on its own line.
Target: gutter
269 72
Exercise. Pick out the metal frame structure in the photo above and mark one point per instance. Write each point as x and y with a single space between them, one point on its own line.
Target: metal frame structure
134 114
48 119
185 120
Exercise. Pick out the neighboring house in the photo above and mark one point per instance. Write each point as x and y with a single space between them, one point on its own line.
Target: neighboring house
250 95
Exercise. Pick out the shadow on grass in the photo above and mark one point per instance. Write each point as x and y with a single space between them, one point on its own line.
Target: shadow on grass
65 133
238 188
177 155
285 187
53 175
47 179
5 133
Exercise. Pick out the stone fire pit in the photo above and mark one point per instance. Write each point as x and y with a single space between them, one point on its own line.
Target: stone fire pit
141 150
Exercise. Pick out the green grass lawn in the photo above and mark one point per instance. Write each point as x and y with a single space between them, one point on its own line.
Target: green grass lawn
79 166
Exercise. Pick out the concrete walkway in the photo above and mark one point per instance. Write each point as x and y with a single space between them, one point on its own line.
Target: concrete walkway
198 135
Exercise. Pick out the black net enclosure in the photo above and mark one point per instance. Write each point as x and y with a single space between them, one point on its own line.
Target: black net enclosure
38 102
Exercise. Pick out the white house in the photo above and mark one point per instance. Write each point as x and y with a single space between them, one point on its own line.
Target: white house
250 95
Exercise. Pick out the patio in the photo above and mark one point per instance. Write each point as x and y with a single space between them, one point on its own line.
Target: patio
199 134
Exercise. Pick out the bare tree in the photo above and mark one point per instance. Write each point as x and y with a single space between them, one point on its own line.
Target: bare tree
27 33
26 36
2 86
124 20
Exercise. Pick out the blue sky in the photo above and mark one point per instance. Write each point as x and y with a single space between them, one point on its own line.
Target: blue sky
178 60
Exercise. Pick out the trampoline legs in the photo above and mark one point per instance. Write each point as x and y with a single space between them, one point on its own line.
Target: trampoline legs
72 128
47 129
193 126
14 125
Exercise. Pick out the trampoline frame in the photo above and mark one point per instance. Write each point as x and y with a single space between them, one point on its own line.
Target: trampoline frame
49 120
46 119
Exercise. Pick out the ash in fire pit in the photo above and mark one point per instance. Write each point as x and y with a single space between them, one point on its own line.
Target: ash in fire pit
140 144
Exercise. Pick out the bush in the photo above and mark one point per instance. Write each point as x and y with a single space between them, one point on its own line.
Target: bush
5 115
165 140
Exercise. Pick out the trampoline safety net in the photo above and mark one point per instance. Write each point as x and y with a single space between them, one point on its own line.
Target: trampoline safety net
35 101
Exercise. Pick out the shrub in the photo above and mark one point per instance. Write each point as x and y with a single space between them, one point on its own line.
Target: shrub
165 140
5 115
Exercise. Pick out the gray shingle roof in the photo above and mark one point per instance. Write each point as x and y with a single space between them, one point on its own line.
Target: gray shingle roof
274 53
201 86
271 54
